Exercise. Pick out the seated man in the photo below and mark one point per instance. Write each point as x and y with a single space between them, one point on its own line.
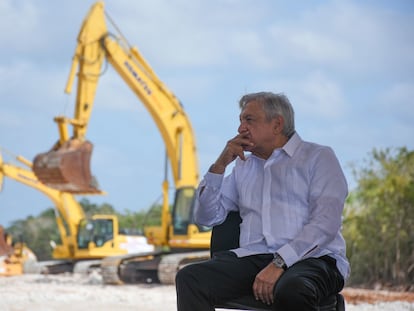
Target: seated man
290 195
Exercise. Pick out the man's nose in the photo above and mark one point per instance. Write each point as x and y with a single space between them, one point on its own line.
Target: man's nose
241 127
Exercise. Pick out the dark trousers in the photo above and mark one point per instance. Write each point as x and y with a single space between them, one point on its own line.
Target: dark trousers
203 285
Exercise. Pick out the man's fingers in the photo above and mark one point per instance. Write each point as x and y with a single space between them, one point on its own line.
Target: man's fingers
257 290
269 296
263 292
260 292
241 156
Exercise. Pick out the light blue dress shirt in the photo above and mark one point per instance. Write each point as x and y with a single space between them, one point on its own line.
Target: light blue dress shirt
291 203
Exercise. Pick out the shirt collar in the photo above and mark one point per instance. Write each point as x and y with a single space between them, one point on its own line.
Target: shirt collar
289 148
292 144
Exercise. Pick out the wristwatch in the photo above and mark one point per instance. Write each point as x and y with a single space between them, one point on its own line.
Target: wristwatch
279 262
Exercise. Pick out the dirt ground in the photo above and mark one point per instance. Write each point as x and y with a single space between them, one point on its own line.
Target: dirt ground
357 296
36 292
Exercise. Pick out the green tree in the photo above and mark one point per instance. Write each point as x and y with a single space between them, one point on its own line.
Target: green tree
379 219
91 209
37 232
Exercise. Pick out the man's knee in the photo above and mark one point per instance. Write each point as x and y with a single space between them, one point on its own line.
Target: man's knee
294 294
185 275
192 288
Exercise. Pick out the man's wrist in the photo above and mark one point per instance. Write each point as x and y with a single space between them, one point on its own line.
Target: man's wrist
279 262
217 169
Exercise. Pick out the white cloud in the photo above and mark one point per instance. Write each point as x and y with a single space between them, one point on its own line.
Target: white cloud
398 100
324 96
315 94
10 119
305 45
349 37
17 19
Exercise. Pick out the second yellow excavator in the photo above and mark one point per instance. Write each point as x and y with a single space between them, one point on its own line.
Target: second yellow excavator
66 166
84 241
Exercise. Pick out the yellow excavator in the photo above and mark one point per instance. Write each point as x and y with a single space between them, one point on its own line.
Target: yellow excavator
67 165
84 241
13 255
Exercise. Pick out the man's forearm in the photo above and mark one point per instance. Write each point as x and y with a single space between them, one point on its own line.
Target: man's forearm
217 168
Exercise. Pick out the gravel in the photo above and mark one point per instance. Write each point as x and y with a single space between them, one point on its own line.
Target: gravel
80 292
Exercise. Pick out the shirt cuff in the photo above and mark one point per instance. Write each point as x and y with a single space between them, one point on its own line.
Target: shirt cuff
213 180
288 254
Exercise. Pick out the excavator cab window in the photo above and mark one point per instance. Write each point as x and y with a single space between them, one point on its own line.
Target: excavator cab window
103 231
98 231
182 212
84 233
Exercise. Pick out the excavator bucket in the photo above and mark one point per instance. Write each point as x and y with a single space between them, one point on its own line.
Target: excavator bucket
67 168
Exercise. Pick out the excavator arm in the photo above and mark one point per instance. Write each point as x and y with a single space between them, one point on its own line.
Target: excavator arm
66 165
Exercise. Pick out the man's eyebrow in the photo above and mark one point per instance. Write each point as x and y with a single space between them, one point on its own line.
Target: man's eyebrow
245 115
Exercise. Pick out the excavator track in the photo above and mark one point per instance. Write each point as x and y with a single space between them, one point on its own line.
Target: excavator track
155 267
171 263
109 270
131 268
85 267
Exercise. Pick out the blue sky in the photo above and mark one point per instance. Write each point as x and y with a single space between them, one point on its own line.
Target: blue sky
347 67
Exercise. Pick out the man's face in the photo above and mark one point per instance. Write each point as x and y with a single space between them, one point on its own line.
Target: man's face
257 129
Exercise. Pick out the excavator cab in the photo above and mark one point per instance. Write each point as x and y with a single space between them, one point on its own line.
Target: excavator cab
66 167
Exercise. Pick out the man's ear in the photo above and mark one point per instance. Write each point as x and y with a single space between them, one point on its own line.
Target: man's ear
278 124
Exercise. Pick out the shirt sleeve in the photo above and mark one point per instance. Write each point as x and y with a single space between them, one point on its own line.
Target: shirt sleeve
327 193
215 197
